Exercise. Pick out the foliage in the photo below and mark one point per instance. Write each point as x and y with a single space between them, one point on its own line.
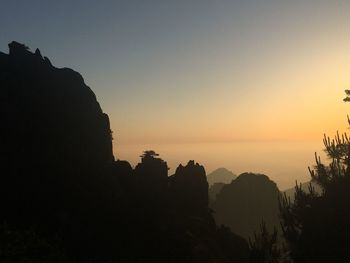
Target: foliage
316 226
149 154
27 246
264 247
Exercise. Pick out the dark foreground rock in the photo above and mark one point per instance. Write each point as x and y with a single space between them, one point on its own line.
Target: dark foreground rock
62 193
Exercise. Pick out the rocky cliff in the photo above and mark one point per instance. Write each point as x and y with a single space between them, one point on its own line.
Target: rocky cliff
54 137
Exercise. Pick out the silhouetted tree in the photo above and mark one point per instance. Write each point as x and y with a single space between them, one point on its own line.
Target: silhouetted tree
264 246
316 226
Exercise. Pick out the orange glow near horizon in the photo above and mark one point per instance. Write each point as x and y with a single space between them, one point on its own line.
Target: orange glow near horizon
295 100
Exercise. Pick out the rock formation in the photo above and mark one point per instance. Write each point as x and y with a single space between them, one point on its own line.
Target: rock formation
243 204
190 187
54 137
214 190
61 187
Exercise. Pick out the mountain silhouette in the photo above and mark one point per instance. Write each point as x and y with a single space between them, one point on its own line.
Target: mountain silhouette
190 187
246 202
220 175
214 190
55 138
62 191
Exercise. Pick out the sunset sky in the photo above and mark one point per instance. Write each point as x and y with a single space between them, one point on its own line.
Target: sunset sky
194 73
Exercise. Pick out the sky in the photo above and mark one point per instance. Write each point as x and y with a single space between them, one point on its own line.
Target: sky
177 76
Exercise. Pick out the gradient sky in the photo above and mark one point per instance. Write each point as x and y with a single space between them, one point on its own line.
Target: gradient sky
199 72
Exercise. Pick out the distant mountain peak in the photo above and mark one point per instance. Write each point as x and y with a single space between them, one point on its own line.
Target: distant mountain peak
221 175
221 169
